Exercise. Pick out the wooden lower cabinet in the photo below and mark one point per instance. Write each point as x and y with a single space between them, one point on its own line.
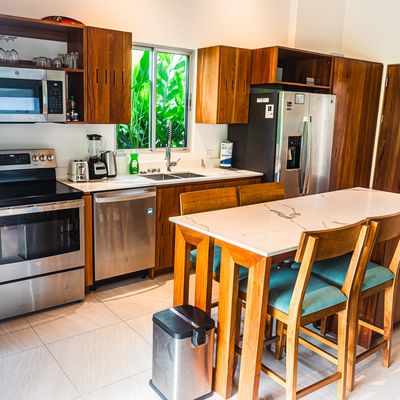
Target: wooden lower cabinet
168 206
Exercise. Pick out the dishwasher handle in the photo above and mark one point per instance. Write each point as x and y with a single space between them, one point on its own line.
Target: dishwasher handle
124 196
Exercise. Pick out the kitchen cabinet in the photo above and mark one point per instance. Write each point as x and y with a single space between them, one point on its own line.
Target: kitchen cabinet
108 76
357 86
291 67
223 85
168 206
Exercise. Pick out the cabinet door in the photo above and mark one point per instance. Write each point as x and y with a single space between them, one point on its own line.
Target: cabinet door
97 75
356 85
241 90
120 77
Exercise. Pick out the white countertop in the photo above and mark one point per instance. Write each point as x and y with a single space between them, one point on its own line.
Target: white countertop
136 181
275 228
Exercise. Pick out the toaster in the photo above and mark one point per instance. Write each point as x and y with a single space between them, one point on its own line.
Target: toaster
78 171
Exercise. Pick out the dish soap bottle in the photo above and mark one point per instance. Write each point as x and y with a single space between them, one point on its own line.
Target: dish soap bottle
134 163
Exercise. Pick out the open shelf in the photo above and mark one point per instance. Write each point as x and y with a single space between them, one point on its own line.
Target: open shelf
291 67
29 64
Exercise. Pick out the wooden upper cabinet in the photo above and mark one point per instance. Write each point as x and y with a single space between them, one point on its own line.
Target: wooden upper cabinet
108 76
291 67
357 85
223 85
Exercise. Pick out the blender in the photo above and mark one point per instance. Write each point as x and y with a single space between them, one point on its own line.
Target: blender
97 168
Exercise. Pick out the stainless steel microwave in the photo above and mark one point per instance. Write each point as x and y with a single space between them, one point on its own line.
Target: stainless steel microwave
32 95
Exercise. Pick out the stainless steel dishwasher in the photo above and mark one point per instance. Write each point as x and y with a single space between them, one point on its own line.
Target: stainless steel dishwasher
124 232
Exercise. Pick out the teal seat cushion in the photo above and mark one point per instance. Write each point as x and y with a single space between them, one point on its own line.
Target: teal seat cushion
334 271
243 272
319 294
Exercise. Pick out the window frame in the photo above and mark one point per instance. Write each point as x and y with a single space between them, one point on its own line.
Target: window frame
155 49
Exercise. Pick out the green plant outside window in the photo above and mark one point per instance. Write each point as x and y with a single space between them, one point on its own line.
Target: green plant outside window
168 100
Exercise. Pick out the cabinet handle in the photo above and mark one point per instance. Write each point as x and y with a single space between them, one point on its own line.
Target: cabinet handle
122 78
114 77
106 76
226 85
232 86
97 75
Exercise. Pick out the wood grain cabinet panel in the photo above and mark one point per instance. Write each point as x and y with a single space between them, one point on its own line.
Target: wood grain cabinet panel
223 85
108 76
168 206
356 85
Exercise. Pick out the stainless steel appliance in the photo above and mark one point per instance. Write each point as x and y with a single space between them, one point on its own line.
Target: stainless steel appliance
288 138
78 171
110 161
32 95
97 168
183 349
41 235
124 232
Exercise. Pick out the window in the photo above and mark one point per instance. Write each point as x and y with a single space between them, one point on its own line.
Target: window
160 92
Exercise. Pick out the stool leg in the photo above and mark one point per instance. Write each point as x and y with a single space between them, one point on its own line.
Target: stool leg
389 303
268 330
342 352
280 342
352 349
292 349
322 329
237 333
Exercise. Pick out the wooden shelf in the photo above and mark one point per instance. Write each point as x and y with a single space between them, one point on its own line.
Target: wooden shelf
302 85
29 64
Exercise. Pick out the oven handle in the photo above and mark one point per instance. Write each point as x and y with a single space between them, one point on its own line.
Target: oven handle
45 98
37 208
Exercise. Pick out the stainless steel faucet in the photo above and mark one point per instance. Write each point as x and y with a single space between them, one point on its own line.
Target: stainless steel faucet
168 148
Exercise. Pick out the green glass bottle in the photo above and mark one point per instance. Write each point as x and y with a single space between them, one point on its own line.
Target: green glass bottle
134 163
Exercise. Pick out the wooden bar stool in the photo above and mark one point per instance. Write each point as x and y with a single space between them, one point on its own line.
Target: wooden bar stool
298 298
375 280
210 200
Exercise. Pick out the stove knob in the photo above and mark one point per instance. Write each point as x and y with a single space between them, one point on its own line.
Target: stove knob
50 157
42 157
35 158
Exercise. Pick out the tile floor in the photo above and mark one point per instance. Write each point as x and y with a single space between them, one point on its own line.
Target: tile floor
101 349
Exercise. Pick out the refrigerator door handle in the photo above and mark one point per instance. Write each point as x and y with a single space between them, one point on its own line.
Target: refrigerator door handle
304 172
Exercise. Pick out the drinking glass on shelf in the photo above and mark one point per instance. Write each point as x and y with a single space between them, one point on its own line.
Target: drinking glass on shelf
2 51
74 59
14 56
7 50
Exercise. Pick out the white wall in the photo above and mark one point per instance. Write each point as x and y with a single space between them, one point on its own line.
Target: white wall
319 25
177 23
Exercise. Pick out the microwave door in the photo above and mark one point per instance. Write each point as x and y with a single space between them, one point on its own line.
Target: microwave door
21 95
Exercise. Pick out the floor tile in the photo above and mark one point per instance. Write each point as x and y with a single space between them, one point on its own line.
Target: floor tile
16 335
153 299
62 322
143 326
34 375
133 388
101 357
122 289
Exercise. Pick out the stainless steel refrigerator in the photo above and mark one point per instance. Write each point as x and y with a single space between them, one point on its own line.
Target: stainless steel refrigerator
288 138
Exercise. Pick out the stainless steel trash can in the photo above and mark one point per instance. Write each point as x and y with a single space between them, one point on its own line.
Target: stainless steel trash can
183 348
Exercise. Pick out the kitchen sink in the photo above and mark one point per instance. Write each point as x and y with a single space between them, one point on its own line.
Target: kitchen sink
188 175
178 175
161 177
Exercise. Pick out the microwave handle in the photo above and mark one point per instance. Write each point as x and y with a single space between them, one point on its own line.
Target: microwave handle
45 98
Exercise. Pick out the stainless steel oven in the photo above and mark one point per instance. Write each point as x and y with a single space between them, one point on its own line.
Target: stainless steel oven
32 95
41 256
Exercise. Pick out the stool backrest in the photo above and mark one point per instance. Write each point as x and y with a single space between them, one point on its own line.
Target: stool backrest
261 193
208 200
389 229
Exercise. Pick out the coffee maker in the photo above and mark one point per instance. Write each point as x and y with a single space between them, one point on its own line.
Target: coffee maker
97 168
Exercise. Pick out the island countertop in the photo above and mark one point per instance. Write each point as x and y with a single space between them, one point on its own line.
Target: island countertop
275 228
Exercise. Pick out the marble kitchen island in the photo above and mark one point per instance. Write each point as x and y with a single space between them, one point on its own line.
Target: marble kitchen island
254 237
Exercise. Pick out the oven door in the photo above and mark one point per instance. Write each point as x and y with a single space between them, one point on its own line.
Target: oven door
23 95
40 239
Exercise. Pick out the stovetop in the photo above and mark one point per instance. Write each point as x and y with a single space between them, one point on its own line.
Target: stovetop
35 192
